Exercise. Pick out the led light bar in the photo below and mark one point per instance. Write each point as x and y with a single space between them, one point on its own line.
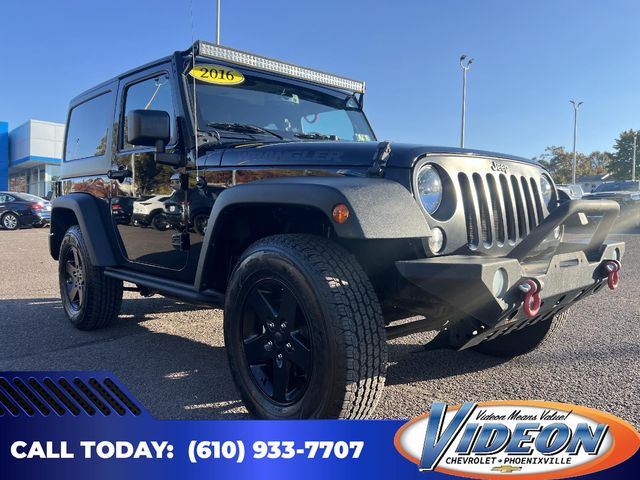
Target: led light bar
276 66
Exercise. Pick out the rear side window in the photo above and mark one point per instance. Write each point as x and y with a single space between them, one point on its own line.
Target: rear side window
88 128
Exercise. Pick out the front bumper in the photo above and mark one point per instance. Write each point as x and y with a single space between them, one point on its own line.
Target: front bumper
466 283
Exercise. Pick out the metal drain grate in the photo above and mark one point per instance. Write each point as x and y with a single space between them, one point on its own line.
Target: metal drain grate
52 393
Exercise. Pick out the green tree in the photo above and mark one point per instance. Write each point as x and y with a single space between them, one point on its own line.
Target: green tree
622 157
559 162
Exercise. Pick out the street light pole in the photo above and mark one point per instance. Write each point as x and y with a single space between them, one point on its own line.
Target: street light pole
465 64
633 165
218 23
576 106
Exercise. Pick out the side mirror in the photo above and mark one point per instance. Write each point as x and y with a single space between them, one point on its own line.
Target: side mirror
150 128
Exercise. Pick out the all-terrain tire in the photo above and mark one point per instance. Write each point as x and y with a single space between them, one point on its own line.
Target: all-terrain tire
347 335
525 340
96 300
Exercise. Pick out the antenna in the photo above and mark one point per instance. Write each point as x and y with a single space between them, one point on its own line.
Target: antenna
217 22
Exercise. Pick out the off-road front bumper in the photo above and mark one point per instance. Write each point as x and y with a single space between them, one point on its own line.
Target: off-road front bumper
470 285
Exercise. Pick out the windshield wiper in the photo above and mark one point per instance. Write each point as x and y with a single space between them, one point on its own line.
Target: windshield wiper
242 128
315 136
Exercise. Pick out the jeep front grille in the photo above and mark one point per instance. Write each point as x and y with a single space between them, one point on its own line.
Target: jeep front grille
499 209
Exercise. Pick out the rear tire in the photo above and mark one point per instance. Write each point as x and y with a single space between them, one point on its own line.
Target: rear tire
10 221
525 340
90 299
311 310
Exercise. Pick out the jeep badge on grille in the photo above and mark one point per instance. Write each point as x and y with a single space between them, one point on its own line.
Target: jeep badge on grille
499 167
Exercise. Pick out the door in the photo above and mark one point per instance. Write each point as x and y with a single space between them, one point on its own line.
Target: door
138 202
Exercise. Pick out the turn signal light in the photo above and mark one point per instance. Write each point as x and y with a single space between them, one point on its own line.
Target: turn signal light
340 213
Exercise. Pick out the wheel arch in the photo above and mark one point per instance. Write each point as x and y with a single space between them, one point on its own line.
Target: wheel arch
91 215
380 210
10 211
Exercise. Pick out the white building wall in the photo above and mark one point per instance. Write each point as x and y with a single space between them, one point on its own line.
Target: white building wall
46 139
35 155
19 142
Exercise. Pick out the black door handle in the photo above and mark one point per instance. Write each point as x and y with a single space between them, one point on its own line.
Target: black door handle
119 175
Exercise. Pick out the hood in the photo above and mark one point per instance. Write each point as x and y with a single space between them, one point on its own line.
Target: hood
334 154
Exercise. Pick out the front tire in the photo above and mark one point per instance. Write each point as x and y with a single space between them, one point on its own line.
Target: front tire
90 299
159 222
304 331
200 222
525 340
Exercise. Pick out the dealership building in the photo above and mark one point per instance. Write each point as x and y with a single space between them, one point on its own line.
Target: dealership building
30 156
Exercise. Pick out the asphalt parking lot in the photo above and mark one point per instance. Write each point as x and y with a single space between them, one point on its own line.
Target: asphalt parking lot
171 355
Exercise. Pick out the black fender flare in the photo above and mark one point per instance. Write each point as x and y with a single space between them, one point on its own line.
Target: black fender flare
93 218
379 208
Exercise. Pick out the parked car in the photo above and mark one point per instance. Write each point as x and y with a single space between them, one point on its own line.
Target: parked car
122 210
200 201
23 210
626 193
569 191
149 212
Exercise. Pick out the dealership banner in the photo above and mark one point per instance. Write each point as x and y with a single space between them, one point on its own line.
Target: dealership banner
87 424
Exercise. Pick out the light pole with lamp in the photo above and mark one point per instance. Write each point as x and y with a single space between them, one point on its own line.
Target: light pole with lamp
218 22
633 165
576 106
465 64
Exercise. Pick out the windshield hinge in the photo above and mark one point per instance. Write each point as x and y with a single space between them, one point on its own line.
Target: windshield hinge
380 159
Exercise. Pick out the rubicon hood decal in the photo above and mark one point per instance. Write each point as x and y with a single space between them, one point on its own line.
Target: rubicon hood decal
523 439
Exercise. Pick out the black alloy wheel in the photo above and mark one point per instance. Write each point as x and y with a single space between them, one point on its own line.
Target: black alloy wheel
74 279
90 299
304 331
277 342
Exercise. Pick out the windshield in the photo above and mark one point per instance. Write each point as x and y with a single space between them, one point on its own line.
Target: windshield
290 111
617 186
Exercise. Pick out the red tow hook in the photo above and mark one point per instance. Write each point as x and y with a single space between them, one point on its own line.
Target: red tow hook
612 267
531 303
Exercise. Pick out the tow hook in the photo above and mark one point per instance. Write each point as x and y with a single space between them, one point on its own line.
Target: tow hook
612 267
531 303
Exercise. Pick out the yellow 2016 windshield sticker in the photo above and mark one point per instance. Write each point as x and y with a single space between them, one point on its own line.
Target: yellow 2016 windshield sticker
217 74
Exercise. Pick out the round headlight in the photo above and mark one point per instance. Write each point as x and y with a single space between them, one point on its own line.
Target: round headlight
429 188
545 189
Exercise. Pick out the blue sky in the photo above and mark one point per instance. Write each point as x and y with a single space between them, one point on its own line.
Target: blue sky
532 57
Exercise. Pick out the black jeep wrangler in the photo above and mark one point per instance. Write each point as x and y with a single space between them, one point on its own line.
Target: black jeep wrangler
321 242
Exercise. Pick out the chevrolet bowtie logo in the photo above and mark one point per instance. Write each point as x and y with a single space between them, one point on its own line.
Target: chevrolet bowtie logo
506 469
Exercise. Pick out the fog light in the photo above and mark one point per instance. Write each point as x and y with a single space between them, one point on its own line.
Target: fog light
499 282
436 240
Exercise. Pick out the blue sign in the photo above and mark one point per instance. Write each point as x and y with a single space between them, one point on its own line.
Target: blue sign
88 425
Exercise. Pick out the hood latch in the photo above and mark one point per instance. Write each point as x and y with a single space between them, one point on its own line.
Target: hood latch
380 158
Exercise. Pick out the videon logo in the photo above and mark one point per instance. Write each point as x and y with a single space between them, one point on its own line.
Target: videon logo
527 439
